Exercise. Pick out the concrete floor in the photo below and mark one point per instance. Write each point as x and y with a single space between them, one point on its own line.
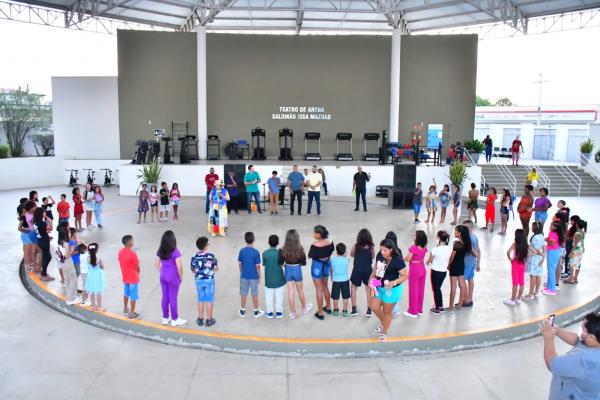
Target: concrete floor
48 355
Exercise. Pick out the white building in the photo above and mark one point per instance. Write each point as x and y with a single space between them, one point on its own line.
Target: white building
552 134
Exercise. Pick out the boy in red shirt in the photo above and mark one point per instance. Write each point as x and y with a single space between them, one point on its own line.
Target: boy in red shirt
63 209
130 270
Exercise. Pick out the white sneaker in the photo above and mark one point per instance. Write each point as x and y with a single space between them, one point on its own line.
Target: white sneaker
407 314
259 313
510 302
307 308
165 321
518 301
179 322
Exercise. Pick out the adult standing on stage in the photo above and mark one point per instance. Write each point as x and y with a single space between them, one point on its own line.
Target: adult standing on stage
314 183
525 208
210 180
359 187
251 180
516 148
487 142
233 188
295 183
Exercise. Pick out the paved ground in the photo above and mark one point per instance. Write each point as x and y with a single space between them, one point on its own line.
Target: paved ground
47 355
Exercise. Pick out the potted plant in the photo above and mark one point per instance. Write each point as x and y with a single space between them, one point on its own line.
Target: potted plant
4 151
150 173
474 147
457 173
586 147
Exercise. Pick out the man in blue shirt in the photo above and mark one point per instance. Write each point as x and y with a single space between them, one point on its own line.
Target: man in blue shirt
249 263
575 374
251 180
295 183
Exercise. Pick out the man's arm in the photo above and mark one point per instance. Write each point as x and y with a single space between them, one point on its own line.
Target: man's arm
549 347
568 337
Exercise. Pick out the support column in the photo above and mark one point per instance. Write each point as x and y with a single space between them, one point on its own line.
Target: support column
395 86
201 79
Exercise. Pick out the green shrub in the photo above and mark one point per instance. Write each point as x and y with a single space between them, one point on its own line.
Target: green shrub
474 146
4 151
586 146
458 172
150 173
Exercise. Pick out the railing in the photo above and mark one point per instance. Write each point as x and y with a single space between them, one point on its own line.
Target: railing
484 185
544 179
568 175
591 166
508 176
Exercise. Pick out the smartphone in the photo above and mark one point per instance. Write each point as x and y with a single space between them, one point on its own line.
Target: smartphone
551 319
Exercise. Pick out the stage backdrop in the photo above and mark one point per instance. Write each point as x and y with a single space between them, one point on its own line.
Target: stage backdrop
326 84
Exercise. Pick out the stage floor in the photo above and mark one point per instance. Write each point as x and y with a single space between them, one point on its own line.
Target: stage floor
488 315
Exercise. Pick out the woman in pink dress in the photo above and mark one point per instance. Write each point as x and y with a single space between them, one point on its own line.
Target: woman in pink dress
416 274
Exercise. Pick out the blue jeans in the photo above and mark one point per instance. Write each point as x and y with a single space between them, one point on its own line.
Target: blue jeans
317 197
488 154
207 208
98 213
552 259
256 199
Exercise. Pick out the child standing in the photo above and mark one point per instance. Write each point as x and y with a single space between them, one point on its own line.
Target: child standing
416 275
455 203
175 199
130 272
274 279
74 243
98 202
517 253
363 252
438 259
63 254
77 209
163 194
204 265
535 260
63 210
249 264
430 203
553 252
340 279
490 209
274 182
94 282
444 202
153 197
576 255
143 205
47 203
83 269
472 263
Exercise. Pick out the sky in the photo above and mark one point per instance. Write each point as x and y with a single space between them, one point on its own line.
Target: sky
507 67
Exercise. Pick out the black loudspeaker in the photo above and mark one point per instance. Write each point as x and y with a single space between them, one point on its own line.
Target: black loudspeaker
259 153
239 170
405 177
400 198
285 153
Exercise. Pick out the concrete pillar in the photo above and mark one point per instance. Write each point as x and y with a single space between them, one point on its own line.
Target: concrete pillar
395 86
201 79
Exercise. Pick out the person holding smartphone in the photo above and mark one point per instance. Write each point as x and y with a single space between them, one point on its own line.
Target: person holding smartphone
574 374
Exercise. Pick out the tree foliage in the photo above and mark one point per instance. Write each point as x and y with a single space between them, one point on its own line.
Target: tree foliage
480 101
21 113
504 102
44 144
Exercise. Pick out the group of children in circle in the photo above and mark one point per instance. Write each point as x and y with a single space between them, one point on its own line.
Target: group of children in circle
158 202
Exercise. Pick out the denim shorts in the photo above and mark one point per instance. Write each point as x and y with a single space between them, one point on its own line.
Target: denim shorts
541 216
469 270
417 207
320 269
25 238
248 285
293 273
131 290
206 290
392 297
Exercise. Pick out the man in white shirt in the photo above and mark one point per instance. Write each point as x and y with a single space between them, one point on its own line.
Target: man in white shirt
314 181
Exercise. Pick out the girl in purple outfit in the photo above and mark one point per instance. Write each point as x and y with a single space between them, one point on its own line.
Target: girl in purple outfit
168 263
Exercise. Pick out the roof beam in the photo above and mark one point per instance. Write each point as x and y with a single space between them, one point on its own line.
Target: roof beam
505 11
393 13
205 13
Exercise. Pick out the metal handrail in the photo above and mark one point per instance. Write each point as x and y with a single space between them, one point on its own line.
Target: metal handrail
592 166
483 185
508 176
544 179
570 177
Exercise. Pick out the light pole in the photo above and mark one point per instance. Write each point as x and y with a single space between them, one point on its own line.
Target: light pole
540 82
